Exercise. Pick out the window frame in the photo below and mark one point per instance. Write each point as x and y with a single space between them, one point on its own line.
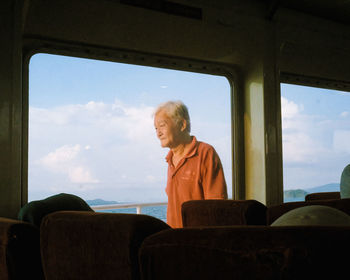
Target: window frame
35 46
309 81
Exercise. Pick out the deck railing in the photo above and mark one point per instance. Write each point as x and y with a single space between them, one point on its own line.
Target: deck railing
138 206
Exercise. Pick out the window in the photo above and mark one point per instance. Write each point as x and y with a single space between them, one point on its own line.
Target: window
91 127
316 139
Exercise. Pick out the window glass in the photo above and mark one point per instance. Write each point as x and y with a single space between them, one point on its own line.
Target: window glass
316 139
91 129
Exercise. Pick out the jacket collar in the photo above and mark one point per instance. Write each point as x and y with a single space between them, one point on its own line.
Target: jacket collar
191 152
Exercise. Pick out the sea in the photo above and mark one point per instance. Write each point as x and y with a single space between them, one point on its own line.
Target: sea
158 212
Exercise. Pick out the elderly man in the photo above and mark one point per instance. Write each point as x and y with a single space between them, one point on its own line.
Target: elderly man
194 168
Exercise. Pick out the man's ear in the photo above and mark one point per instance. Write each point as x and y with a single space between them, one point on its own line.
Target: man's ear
184 125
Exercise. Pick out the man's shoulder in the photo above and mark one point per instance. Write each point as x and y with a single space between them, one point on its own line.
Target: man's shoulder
205 147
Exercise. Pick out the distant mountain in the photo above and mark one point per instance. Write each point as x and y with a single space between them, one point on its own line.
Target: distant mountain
332 187
99 201
299 194
293 194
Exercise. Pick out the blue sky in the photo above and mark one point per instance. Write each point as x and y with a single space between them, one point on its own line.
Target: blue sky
91 129
316 135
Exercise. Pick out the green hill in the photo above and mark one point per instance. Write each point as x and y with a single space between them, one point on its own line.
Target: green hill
292 194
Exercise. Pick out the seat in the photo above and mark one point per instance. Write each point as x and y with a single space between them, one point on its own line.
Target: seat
322 196
218 212
309 242
91 245
19 251
246 252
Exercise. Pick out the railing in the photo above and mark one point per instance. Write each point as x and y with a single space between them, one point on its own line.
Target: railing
138 206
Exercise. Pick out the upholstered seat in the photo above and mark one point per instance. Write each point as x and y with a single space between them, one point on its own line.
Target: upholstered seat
246 252
89 245
19 251
218 212
322 196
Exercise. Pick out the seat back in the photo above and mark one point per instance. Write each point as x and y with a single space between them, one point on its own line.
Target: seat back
322 196
215 212
19 251
90 246
246 252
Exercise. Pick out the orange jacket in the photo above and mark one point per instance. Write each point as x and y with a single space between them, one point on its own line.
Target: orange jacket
199 175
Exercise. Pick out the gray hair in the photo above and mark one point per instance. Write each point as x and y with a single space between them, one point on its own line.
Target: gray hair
177 111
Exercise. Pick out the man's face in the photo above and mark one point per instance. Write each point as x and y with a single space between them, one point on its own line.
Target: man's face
167 131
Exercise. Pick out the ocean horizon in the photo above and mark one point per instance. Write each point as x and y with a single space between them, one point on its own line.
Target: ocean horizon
158 211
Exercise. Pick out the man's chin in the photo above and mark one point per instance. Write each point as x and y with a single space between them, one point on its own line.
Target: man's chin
163 145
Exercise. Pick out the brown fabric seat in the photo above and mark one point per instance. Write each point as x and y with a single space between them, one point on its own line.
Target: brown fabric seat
88 245
246 252
199 213
322 196
19 251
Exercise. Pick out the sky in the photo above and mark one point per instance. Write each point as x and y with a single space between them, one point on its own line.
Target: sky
91 130
315 135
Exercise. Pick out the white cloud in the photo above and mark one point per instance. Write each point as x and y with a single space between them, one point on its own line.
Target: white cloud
300 141
150 178
138 123
80 175
293 118
315 147
341 141
60 157
65 160
300 147
344 114
289 108
118 147
117 120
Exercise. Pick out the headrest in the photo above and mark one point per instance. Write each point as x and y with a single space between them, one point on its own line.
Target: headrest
34 211
313 215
